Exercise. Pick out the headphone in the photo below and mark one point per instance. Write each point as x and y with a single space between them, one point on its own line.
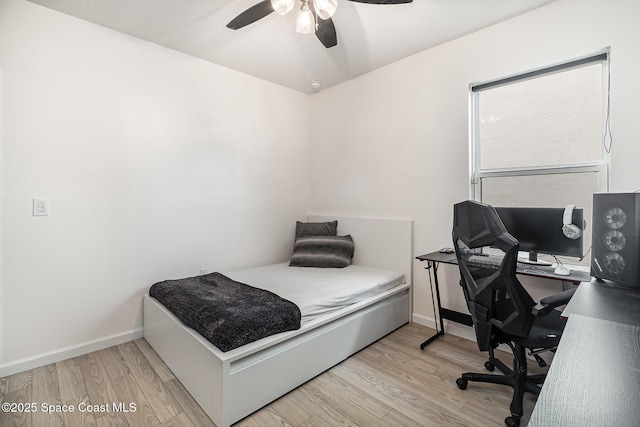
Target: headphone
568 229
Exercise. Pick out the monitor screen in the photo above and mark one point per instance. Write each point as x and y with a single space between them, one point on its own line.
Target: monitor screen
539 230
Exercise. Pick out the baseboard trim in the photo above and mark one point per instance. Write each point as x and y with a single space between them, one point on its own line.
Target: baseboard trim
68 352
423 320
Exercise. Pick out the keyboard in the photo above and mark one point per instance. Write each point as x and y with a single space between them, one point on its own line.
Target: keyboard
485 261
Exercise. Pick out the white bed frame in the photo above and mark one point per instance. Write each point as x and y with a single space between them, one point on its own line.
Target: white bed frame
229 386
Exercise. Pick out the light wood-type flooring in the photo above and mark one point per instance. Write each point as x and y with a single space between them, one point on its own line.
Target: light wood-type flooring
390 383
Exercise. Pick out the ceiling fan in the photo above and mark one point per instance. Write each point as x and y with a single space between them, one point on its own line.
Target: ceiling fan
314 16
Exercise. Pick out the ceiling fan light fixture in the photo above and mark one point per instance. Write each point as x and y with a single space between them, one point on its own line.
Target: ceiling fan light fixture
306 22
282 7
325 8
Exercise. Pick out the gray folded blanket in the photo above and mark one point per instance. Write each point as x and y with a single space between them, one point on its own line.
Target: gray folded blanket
227 313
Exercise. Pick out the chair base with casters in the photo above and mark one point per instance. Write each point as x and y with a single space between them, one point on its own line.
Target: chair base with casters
543 337
517 378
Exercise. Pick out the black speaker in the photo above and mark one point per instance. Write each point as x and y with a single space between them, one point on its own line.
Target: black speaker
615 250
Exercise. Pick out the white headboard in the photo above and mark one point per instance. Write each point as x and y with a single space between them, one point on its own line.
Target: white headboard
383 243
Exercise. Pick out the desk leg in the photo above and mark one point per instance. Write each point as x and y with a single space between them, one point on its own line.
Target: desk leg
435 336
437 308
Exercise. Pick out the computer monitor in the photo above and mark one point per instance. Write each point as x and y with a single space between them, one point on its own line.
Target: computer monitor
539 230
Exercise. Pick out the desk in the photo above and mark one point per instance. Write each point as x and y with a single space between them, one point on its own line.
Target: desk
606 301
594 379
435 258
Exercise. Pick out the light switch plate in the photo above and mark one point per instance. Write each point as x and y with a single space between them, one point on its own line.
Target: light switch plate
40 207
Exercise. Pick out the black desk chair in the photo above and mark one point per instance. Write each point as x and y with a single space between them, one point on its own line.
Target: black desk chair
501 309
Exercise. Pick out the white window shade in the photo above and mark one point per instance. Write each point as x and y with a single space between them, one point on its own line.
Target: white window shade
552 120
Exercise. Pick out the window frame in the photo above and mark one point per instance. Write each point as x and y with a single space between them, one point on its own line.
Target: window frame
477 174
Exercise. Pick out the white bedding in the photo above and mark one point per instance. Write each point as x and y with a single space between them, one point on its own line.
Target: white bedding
317 291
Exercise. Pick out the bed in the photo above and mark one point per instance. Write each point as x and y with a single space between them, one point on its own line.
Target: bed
233 384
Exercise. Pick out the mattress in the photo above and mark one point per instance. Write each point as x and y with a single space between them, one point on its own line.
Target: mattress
318 291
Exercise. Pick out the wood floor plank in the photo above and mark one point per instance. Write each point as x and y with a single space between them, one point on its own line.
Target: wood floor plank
346 392
341 404
17 389
100 391
416 369
193 411
113 362
319 408
420 371
416 405
180 420
159 366
288 409
18 381
441 389
398 419
46 390
129 392
314 422
77 418
17 418
156 393
413 382
411 361
71 382
264 417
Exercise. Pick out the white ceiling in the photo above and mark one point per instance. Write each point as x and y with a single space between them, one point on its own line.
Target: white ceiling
369 36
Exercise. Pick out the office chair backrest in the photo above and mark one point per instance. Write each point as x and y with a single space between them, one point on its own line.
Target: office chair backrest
496 299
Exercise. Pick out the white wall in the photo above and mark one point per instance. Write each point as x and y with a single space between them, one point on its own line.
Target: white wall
155 164
394 142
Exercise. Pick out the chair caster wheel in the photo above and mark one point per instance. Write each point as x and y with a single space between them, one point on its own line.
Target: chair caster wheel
489 366
512 421
462 383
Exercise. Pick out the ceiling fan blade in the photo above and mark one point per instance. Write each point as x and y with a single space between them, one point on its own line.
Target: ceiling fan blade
326 32
251 15
383 1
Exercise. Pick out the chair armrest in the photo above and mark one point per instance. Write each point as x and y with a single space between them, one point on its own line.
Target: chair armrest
546 305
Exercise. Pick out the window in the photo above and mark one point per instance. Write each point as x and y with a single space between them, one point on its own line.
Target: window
541 138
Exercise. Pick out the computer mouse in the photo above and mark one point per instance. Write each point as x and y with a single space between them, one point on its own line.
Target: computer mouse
561 270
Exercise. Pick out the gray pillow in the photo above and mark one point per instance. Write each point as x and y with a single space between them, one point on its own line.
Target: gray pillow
316 228
322 251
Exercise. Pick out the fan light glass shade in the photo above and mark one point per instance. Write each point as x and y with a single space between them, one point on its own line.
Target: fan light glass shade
282 7
306 23
325 8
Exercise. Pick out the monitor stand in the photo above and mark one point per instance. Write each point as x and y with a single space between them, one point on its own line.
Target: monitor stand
533 260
